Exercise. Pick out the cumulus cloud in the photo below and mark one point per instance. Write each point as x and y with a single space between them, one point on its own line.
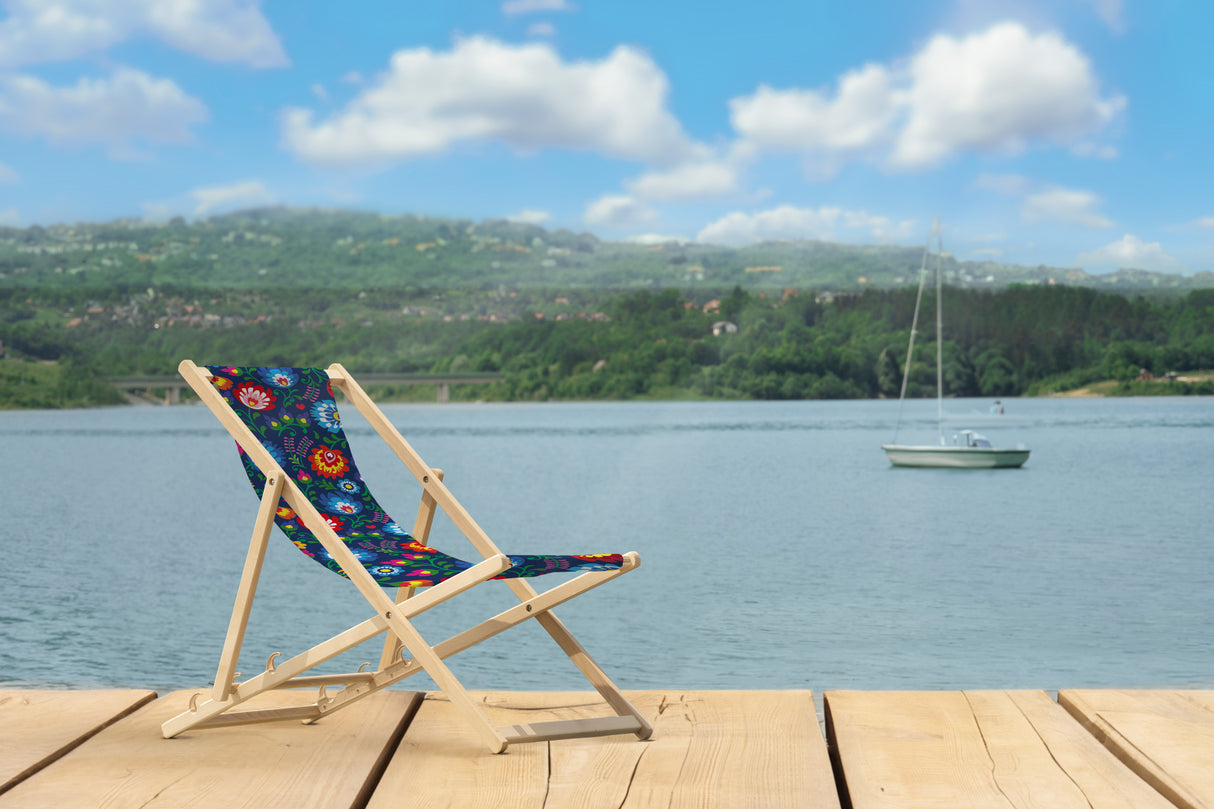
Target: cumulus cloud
788 222
524 96
220 30
530 217
1131 252
1205 222
1065 205
693 180
213 198
1048 203
541 29
127 106
857 117
618 211
997 90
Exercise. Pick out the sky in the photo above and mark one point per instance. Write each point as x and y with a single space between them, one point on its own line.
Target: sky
1070 133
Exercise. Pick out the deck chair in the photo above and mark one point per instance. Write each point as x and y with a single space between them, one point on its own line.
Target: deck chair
289 434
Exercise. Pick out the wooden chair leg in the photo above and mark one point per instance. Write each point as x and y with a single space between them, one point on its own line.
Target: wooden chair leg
262 528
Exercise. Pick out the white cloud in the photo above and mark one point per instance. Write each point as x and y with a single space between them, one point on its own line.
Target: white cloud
1065 205
857 117
10 216
1205 222
236 195
7 174
524 96
117 110
694 180
656 238
541 29
530 217
788 222
320 92
618 211
514 7
1130 252
882 228
220 30
996 91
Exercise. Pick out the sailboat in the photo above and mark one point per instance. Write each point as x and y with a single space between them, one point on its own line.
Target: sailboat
968 449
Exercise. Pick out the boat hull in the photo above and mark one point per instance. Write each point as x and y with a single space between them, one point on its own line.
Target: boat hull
927 457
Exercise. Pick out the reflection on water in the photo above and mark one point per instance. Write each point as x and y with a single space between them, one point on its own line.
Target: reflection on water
780 549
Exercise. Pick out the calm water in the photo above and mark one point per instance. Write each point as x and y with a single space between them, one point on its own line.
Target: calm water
780 549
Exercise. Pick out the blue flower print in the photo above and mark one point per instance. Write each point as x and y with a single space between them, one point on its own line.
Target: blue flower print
326 415
348 486
394 528
338 503
279 377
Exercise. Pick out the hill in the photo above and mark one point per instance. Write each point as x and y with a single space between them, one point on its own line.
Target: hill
291 248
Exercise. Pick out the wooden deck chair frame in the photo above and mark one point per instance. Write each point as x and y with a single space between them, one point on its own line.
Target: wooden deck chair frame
391 615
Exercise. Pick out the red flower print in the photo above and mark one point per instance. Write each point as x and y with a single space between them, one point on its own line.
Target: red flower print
333 522
328 462
254 397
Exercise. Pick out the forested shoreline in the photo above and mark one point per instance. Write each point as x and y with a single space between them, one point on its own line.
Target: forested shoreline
61 343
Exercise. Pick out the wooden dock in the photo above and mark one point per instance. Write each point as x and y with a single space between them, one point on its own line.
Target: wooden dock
730 749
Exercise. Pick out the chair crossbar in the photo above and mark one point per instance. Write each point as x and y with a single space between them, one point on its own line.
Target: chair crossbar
302 713
570 729
317 680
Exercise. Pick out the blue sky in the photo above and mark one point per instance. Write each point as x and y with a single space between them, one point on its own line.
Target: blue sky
1072 133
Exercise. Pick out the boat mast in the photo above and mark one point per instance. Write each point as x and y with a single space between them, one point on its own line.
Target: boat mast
910 349
939 333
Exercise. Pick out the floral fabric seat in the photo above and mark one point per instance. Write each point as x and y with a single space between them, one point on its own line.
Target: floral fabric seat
293 413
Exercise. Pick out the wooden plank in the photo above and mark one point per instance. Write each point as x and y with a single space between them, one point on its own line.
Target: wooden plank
37 727
709 749
334 763
974 749
1167 737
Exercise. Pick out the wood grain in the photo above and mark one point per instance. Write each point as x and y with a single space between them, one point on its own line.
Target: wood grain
37 727
729 749
1166 737
332 764
974 749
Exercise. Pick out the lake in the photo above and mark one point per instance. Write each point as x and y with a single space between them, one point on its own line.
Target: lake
780 549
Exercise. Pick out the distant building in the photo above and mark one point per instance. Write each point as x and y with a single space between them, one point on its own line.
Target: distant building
724 327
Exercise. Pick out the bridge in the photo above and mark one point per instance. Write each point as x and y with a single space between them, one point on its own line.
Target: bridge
167 389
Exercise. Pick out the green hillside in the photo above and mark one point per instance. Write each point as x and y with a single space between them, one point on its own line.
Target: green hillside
284 248
565 316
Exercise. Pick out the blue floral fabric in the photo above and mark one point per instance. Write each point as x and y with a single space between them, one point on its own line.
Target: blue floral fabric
293 413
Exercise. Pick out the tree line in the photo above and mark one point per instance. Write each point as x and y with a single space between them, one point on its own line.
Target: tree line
1024 340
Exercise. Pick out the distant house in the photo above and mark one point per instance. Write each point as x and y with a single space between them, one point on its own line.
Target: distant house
724 327
712 307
